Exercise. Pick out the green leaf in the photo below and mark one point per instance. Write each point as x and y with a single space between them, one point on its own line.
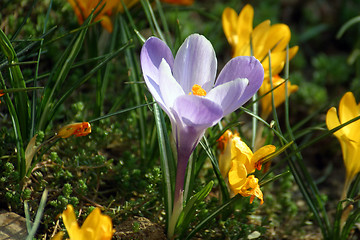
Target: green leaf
347 25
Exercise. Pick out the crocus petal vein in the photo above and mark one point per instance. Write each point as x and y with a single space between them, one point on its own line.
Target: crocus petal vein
195 63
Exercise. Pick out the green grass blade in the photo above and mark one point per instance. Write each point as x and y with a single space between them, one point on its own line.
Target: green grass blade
132 23
134 77
29 224
336 227
145 4
188 213
38 215
59 74
350 222
254 121
347 25
167 162
278 134
108 67
354 188
120 112
272 179
303 176
28 13
34 96
205 145
14 90
21 164
21 100
24 52
164 22
212 216
86 78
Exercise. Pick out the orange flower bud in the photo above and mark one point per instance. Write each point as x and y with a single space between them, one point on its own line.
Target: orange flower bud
77 129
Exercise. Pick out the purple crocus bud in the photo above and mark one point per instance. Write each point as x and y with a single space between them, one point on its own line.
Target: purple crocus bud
185 88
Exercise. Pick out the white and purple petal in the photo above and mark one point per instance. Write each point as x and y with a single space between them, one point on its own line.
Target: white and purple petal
243 67
169 88
152 53
193 116
228 94
195 63
196 111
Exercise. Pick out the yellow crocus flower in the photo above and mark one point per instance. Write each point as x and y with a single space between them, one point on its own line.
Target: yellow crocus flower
1 94
225 146
77 129
97 226
246 41
279 94
237 161
179 2
239 30
83 9
348 136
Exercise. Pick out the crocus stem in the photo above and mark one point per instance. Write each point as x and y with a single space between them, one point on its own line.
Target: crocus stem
346 188
259 140
178 205
179 189
180 174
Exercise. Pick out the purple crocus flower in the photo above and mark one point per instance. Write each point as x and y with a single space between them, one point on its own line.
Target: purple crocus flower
185 88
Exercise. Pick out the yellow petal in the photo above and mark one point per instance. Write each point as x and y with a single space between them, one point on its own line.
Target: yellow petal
262 153
257 193
252 188
78 12
351 157
229 23
77 129
70 223
279 36
93 219
348 109
242 50
348 135
332 119
97 226
106 23
225 156
237 176
128 4
293 51
180 2
277 62
259 37
241 152
278 92
58 236
245 25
